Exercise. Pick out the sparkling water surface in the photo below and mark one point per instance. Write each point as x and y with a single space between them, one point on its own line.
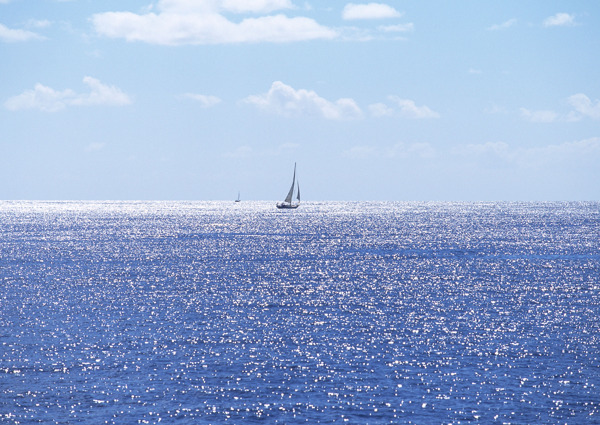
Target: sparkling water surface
366 313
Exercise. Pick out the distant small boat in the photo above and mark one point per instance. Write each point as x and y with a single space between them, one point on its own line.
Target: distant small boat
287 203
238 198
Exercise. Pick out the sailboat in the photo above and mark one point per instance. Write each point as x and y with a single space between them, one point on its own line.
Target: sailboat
287 203
238 198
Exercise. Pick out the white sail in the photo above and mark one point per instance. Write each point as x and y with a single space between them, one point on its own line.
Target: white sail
287 203
288 198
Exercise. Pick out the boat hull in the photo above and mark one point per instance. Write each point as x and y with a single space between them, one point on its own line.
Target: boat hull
287 206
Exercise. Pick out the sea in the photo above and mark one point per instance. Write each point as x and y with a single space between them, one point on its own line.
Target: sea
336 312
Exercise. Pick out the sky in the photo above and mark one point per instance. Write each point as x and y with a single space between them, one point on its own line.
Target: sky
471 100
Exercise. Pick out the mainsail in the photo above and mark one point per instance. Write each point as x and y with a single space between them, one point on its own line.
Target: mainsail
288 198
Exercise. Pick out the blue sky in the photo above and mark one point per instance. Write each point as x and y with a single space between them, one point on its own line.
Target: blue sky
194 100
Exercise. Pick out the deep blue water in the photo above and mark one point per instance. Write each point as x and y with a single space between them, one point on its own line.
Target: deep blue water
368 313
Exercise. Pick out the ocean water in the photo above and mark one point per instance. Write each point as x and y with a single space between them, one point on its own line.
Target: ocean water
359 313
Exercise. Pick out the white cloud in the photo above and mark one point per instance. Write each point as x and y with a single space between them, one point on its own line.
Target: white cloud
41 97
256 6
216 6
533 156
204 100
101 94
503 25
584 106
202 22
539 116
586 147
500 149
409 109
11 35
287 101
381 110
560 20
49 100
403 107
369 11
408 27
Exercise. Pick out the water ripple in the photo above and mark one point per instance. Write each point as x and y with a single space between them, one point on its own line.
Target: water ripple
207 312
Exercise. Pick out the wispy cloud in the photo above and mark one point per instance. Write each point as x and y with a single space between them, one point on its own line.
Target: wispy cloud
500 149
205 101
180 22
584 106
560 20
405 108
49 100
540 116
408 27
284 100
369 11
244 6
532 156
381 110
38 23
504 25
15 35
